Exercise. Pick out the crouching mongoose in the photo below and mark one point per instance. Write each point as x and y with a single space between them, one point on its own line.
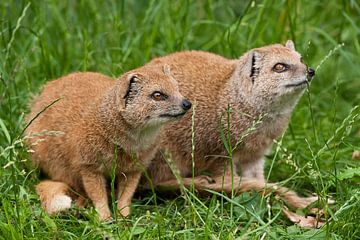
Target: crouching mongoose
258 91
86 126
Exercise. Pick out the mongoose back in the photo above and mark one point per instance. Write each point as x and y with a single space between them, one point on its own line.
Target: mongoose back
259 91
83 124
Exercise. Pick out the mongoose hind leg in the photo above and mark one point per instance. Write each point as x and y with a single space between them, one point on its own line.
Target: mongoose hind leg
239 185
127 184
95 188
243 184
198 181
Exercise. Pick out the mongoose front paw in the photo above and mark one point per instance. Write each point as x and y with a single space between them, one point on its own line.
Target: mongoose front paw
124 209
105 217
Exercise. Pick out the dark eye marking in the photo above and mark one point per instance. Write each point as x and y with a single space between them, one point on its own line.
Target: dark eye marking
158 96
280 67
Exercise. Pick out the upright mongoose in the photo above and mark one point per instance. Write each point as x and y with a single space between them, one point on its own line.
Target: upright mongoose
84 124
257 91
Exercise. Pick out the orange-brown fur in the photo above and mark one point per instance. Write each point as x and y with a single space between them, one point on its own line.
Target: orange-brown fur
98 123
251 88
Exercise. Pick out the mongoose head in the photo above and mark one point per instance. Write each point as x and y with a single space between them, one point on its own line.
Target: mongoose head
273 77
151 97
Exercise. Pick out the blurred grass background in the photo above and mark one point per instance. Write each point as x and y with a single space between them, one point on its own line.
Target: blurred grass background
43 40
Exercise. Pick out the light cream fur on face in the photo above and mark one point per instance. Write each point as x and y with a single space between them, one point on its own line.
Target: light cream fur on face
269 89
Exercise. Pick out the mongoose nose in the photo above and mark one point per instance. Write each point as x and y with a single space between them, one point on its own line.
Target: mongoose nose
311 72
185 104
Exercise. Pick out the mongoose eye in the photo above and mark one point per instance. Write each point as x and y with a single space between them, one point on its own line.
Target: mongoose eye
280 67
158 96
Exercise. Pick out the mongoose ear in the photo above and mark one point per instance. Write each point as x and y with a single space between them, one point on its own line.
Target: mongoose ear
167 70
253 64
132 88
290 44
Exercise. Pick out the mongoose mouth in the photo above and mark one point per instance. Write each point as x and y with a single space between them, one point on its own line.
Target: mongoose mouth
173 115
302 84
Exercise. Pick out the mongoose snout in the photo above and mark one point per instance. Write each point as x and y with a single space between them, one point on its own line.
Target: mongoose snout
310 73
186 105
177 112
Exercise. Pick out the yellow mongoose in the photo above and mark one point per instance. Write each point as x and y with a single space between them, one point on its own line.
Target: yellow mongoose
262 86
98 122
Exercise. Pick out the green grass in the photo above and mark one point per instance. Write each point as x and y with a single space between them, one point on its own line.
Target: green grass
43 40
